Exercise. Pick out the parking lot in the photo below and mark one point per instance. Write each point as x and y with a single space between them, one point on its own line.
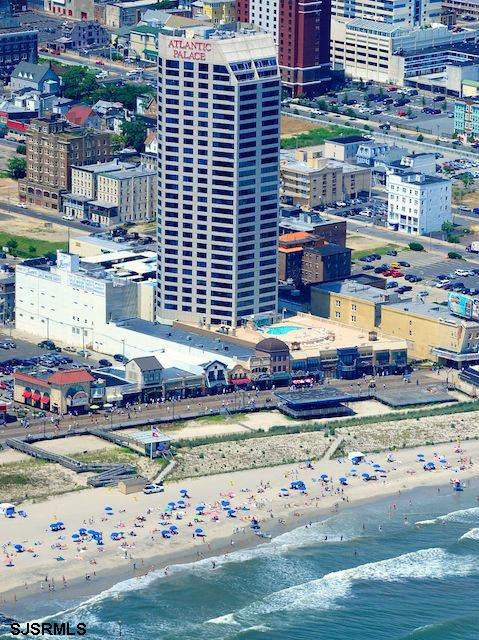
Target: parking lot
427 267
389 107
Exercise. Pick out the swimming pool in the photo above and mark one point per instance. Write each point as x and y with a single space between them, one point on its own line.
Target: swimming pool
280 331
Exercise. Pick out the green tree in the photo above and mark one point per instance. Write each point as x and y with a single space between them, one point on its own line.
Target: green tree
126 94
454 255
17 167
12 244
21 149
32 249
134 134
467 180
444 105
420 138
447 226
416 246
458 195
78 82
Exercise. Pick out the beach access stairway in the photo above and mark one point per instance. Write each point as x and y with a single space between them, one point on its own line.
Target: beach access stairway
105 474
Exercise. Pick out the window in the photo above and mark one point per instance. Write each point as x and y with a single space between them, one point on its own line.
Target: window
337 314
338 303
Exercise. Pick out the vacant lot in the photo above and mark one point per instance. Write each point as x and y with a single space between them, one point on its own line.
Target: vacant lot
379 250
315 135
293 126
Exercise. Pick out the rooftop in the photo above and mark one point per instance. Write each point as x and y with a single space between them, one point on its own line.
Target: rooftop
348 139
431 311
147 363
413 177
356 290
134 172
101 167
328 249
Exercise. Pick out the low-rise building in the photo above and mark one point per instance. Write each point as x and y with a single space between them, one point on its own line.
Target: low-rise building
85 34
290 255
432 332
38 77
466 117
126 14
324 263
344 148
61 392
309 180
149 158
83 116
295 219
351 303
7 298
73 9
67 304
418 204
131 191
144 42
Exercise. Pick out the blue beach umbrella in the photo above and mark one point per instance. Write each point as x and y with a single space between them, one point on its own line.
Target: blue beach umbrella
75 536
198 531
376 466
19 548
365 475
173 528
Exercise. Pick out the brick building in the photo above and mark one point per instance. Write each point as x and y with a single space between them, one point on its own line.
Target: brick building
52 148
328 262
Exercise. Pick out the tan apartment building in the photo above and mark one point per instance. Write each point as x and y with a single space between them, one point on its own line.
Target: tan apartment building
432 332
350 303
133 193
53 147
310 180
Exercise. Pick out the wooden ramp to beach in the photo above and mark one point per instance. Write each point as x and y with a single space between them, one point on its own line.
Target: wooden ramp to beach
105 474
120 440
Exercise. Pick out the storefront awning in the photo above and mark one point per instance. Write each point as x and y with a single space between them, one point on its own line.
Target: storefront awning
27 394
36 396
239 381
45 399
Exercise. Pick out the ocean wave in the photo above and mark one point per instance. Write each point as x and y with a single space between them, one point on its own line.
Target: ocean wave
472 534
462 515
327 592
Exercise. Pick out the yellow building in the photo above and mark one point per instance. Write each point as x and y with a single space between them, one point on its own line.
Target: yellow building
220 11
432 332
311 179
350 303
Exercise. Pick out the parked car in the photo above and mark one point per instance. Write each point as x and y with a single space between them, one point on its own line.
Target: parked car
403 263
120 358
153 488
366 267
104 362
392 285
391 252
47 344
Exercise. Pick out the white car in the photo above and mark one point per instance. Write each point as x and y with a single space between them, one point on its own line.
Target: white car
442 283
22 205
153 488
461 272
67 218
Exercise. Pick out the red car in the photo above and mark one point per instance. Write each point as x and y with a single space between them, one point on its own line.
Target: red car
392 88
100 63
397 274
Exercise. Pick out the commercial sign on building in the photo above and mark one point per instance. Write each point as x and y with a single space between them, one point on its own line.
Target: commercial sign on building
189 49
463 305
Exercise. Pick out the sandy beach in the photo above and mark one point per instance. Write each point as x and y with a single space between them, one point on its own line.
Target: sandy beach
86 568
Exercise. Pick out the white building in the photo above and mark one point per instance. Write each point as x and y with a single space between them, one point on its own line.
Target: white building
66 304
417 203
406 13
218 160
366 49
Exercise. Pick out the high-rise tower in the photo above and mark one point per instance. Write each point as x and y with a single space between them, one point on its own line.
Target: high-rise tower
218 160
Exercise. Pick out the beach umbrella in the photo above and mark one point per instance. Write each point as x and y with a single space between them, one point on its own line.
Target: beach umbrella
365 475
231 513
181 503
171 504
91 532
376 466
173 528
343 479
225 503
82 531
354 471
324 476
19 548
166 533
198 531
75 536
184 492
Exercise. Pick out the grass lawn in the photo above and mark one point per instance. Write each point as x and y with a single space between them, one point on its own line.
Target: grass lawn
379 250
30 247
317 136
108 456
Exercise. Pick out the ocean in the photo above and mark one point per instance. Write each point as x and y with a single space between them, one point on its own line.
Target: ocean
377 575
